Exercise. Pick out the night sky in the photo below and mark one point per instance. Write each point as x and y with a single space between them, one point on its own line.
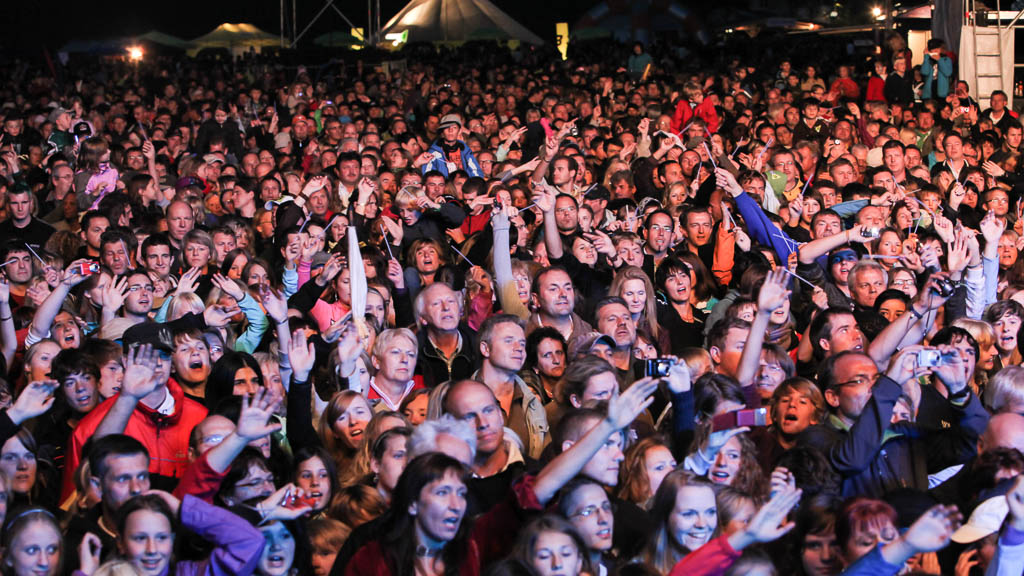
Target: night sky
32 25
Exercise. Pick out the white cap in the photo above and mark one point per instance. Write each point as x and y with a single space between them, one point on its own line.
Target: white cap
986 519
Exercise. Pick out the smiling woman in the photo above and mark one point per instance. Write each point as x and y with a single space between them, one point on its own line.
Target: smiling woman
147 525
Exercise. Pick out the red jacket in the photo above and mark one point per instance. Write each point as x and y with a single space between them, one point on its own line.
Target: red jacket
684 112
165 437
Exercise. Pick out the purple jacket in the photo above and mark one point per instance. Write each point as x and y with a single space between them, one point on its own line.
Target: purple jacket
237 544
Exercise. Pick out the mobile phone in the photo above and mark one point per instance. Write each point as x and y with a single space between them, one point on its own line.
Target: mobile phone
737 418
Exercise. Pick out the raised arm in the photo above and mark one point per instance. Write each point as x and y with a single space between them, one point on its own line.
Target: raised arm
772 296
815 249
47 311
505 282
622 410
8 336
908 329
253 424
139 381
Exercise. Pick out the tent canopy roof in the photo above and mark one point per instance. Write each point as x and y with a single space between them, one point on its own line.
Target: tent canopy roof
457 21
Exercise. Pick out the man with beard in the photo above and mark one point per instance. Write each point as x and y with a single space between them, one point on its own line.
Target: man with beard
658 238
445 344
614 320
502 348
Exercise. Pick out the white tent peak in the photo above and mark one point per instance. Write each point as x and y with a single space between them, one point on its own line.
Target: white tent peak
457 21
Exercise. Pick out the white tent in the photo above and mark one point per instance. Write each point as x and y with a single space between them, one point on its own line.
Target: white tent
456 21
238 38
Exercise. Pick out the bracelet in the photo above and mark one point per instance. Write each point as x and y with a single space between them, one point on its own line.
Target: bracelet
6 319
915 313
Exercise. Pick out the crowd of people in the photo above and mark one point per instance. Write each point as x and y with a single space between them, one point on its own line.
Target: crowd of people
509 315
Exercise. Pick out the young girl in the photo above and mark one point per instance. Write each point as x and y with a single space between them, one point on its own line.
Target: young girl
32 544
551 546
95 177
147 524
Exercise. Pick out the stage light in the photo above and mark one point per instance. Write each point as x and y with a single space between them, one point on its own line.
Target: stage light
876 12
135 53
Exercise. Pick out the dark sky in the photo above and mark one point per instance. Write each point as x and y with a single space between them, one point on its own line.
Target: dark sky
31 25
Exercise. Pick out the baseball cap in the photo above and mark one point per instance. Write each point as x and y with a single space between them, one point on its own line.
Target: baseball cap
212 159
155 334
56 113
584 343
986 519
450 120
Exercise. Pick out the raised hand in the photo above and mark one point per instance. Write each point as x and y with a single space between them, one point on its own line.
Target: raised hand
293 250
773 294
5 289
717 439
140 372
769 523
33 401
274 303
188 281
958 254
624 408
73 273
302 355
254 418
992 228
932 530
602 243
726 181
228 286
396 274
167 497
350 346
944 228
113 295
220 316
331 269
781 479
679 379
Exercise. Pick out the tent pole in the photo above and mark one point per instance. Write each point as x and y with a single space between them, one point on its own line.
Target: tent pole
282 24
295 20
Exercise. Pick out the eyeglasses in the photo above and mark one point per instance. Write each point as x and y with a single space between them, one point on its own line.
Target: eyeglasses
589 511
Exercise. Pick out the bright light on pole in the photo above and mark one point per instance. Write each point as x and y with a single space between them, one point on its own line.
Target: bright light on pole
876 12
135 53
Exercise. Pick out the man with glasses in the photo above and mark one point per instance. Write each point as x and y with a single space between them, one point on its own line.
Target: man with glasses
874 456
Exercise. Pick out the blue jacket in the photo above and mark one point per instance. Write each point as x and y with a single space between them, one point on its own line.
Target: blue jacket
469 163
875 457
944 75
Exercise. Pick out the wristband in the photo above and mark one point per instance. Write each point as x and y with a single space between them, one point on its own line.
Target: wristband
915 313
